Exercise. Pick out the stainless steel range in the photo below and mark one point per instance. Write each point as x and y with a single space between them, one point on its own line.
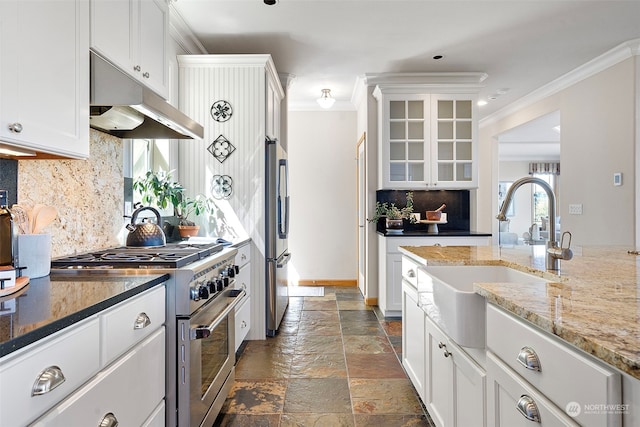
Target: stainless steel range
201 301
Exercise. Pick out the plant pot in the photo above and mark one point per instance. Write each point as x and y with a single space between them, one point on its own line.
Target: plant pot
394 224
188 230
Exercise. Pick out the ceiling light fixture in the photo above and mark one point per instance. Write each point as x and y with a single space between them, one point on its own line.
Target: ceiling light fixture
482 103
436 57
270 2
325 100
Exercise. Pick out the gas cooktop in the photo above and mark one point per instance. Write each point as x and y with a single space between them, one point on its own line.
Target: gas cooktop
173 255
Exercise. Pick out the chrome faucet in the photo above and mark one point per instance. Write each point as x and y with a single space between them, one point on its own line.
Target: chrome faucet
554 252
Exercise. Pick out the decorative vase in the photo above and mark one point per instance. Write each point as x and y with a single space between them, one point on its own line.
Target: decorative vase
188 230
394 224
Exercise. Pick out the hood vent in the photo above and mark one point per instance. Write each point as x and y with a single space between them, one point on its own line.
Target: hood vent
122 107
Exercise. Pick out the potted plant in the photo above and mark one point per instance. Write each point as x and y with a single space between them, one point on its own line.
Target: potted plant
187 207
394 215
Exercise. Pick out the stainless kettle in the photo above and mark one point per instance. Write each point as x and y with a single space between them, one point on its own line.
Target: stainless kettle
145 234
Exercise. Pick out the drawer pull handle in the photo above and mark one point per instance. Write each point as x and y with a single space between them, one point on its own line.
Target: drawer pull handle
243 324
109 420
529 359
528 408
243 286
411 273
136 68
446 353
142 321
15 127
243 257
145 74
47 381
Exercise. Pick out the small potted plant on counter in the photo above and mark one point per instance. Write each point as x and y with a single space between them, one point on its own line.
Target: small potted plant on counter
394 215
196 206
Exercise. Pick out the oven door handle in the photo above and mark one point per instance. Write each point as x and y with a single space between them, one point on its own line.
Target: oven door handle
201 332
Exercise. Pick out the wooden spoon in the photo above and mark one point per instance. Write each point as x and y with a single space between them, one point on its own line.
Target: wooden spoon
44 217
32 216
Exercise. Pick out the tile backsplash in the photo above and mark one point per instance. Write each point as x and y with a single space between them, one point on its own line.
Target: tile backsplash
88 195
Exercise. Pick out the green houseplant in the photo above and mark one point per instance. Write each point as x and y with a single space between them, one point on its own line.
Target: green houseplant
394 215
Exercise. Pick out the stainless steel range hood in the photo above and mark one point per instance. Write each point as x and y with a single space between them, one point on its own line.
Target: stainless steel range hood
125 108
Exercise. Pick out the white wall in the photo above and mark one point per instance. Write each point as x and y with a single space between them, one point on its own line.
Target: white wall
322 167
598 117
511 171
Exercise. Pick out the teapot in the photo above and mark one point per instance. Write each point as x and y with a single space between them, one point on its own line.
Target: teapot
145 233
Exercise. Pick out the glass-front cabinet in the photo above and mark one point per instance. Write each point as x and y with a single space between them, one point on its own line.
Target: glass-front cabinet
427 140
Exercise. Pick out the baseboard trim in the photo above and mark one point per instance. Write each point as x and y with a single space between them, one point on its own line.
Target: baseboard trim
346 283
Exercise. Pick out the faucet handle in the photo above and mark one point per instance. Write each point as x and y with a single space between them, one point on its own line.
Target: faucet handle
562 240
562 252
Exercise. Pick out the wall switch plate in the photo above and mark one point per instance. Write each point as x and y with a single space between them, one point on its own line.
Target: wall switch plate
617 179
575 209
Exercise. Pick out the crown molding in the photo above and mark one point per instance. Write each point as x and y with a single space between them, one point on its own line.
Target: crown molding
608 59
181 32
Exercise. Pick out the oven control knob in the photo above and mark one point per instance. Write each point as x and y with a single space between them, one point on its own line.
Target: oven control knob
203 292
226 281
236 269
230 271
193 294
219 285
211 284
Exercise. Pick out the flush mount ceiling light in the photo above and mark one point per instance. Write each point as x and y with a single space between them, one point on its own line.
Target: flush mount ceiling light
325 100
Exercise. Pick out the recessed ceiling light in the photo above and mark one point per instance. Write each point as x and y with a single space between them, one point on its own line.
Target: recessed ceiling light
270 2
492 97
481 103
438 57
502 91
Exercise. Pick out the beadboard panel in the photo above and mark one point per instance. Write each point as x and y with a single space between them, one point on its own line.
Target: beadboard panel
205 79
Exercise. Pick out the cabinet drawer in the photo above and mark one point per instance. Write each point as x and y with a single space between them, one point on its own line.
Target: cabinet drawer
243 278
74 351
505 391
130 323
157 417
130 389
410 271
243 321
244 255
565 375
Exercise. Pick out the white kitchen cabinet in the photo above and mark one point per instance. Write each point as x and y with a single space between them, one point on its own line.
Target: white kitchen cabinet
413 335
455 387
127 391
559 373
390 265
243 281
426 140
44 76
133 35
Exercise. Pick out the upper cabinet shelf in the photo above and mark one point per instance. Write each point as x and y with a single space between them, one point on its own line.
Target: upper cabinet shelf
427 136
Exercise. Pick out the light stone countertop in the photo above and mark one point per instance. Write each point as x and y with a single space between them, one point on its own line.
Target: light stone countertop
593 304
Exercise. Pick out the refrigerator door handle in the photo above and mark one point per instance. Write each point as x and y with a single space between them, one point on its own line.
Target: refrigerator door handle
283 199
283 259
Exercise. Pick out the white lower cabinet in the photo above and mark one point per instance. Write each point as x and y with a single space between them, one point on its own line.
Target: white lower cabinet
455 392
243 281
124 393
390 265
413 342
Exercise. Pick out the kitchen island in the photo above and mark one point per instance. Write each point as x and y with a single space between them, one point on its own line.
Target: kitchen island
592 304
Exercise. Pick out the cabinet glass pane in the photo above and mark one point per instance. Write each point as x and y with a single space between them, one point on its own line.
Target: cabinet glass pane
445 172
416 130
463 150
445 109
396 109
396 151
416 151
416 172
397 172
463 130
416 109
463 109
445 150
463 171
445 130
396 130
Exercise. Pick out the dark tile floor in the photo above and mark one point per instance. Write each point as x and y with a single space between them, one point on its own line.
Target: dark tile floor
334 362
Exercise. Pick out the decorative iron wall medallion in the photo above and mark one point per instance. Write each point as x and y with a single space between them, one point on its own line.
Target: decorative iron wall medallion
221 148
221 111
221 187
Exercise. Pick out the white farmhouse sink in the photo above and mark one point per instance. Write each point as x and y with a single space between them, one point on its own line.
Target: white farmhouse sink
455 307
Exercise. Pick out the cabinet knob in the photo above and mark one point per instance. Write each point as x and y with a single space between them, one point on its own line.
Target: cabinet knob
446 352
145 74
411 273
15 127
136 68
243 324
528 408
243 257
47 381
529 359
142 321
109 420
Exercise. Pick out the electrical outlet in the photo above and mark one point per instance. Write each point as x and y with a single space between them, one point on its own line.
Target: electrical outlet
575 209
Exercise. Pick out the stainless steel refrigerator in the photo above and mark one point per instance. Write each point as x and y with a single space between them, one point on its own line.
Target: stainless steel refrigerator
276 234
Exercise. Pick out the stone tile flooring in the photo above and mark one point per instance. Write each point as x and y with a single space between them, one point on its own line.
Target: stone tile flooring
334 362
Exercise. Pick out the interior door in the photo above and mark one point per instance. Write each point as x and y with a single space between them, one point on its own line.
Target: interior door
362 216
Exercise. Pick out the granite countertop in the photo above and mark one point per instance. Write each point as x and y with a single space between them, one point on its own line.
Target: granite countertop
425 233
51 303
592 304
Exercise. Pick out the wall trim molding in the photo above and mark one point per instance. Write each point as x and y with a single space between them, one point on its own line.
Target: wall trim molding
339 282
608 59
182 34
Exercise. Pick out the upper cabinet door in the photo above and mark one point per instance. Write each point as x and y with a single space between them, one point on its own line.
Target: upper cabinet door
132 35
44 76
